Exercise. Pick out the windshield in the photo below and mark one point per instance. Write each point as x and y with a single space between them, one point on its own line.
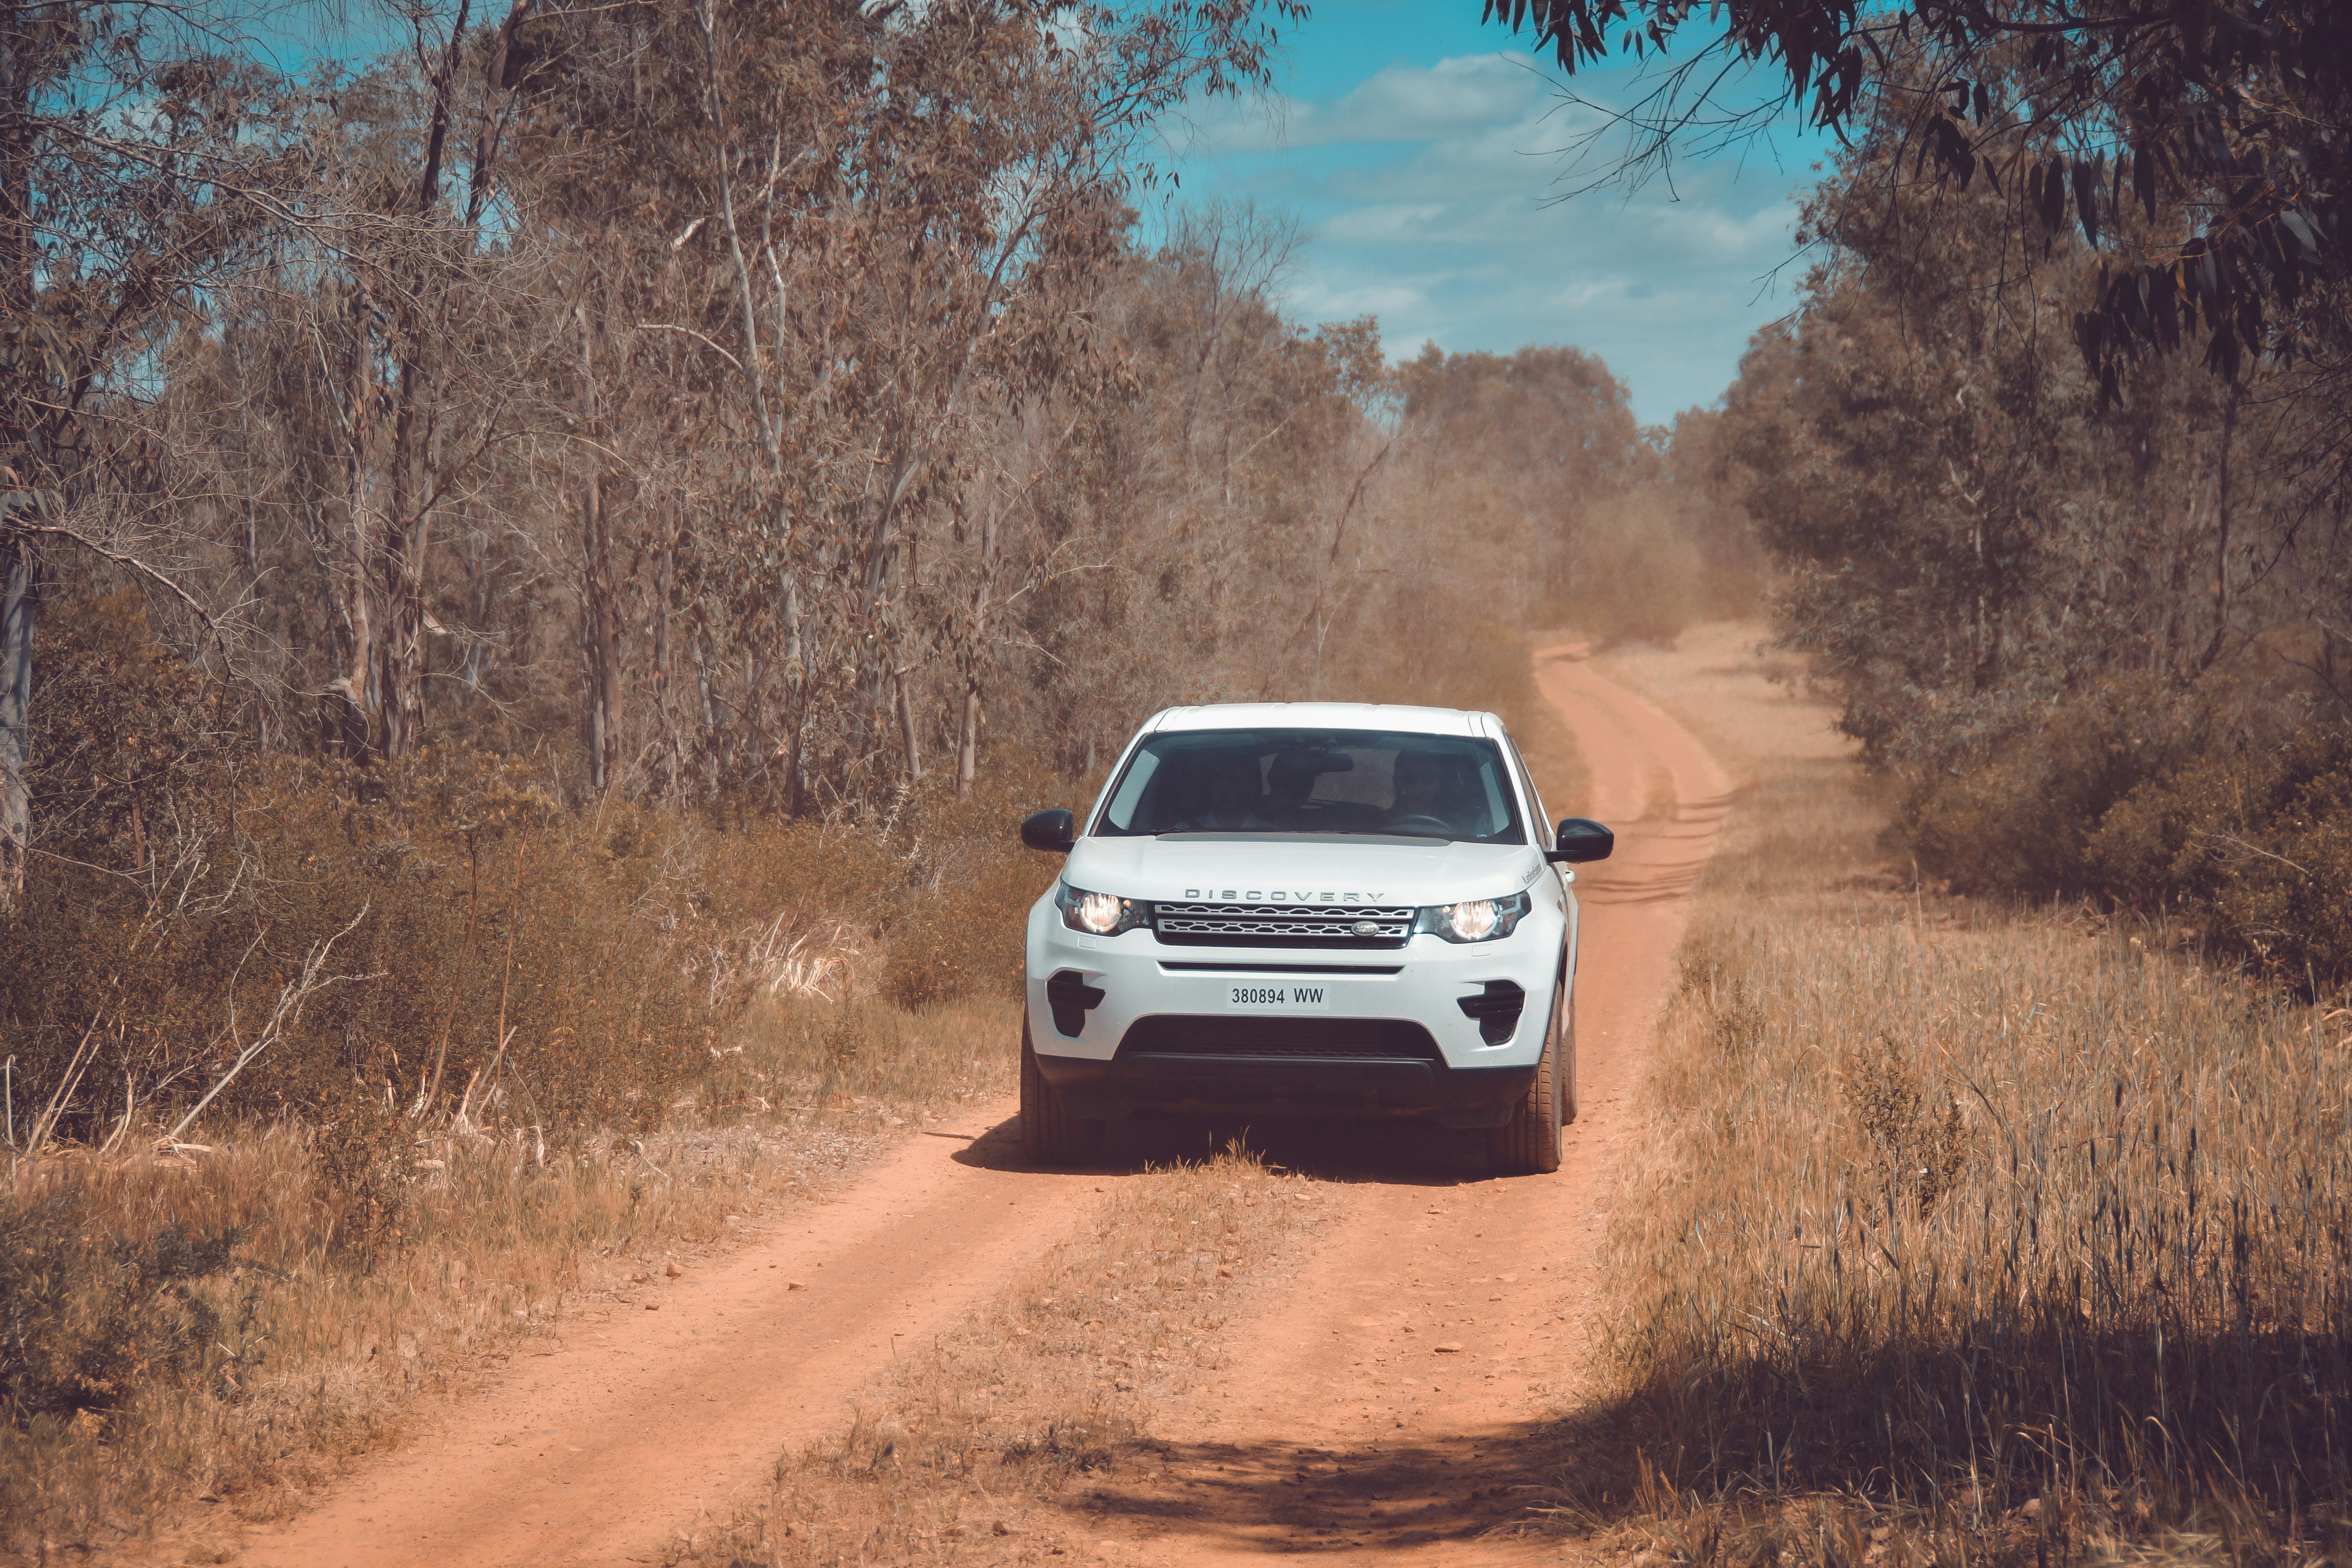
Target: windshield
1314 780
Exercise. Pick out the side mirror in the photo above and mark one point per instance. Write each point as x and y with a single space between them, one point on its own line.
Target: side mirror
1582 840
1055 831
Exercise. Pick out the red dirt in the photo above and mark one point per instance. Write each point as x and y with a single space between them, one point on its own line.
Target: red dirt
636 1426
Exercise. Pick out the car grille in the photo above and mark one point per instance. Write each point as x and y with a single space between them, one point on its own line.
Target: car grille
1221 1034
1280 925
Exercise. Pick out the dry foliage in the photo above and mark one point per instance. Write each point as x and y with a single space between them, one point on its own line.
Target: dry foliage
1967 1234
202 1321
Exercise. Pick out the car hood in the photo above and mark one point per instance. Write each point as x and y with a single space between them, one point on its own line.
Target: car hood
1271 868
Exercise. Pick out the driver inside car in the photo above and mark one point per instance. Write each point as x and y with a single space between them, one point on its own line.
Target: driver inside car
1425 787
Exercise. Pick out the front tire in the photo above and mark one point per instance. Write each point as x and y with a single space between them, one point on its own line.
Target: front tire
1050 1135
1566 1070
1528 1143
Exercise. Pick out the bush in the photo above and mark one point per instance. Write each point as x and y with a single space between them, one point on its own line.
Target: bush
965 939
2258 843
424 878
960 925
85 1321
2013 806
359 1146
540 963
2150 797
548 962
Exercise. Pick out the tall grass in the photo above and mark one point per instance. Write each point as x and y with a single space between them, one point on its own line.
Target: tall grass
1998 1203
1963 1207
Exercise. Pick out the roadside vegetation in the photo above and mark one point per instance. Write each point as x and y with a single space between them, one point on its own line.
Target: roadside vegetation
1993 1204
1968 1229
234 1320
2096 639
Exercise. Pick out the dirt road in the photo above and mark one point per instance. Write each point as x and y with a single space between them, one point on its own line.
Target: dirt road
635 1426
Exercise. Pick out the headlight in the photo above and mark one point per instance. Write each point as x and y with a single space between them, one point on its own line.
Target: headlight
1099 914
1474 919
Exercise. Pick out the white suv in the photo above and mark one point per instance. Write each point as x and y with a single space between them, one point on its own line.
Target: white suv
1308 908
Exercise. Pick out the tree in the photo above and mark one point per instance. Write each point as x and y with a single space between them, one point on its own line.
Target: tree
138 152
1980 556
1552 423
2234 114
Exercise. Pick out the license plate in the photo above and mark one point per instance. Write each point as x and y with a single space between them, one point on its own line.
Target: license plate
1290 997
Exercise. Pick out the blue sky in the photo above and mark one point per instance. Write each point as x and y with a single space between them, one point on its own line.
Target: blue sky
1423 154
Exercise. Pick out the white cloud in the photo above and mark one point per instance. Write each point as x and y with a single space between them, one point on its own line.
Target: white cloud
1401 103
1418 103
1322 301
1432 195
1382 223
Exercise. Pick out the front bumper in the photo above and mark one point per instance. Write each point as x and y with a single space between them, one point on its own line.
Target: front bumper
1126 1024
1150 1083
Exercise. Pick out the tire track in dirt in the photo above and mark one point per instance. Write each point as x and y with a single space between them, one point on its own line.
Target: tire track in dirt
634 1425
1377 1403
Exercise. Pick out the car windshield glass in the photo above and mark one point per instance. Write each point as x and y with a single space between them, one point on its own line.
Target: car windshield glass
1314 780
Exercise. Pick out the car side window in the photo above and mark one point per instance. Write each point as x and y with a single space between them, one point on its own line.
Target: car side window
1544 828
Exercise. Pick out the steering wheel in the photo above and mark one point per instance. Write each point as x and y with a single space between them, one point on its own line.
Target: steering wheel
1422 821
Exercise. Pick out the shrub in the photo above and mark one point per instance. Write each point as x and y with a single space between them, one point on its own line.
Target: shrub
966 937
357 1150
2258 843
2014 808
2155 798
960 925
85 1320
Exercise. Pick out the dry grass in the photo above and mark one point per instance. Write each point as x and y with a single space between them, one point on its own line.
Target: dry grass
1970 1231
984 1446
317 1351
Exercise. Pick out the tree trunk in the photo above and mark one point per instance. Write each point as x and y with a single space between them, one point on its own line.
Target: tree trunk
600 614
600 631
968 739
407 538
344 714
480 602
20 582
2221 499
665 674
907 728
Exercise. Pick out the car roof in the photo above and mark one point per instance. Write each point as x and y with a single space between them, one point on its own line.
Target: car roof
1324 716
